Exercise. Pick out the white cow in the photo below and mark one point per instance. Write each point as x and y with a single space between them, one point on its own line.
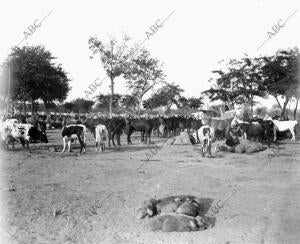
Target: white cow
101 136
11 130
283 126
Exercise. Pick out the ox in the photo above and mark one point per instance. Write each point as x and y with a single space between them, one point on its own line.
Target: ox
101 136
138 125
257 130
205 135
11 131
283 126
69 132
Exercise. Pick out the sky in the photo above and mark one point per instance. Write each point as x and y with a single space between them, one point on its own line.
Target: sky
191 42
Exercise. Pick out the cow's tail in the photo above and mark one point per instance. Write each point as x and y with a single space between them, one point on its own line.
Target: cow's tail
197 135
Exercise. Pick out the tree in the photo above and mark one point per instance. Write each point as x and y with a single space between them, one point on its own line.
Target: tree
82 105
104 101
166 96
129 101
69 106
280 74
112 57
35 76
261 111
222 90
194 102
182 102
143 73
238 84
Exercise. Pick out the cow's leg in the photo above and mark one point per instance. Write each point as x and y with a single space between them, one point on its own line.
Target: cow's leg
64 144
69 145
149 136
209 148
109 138
82 147
97 146
119 139
27 144
128 138
112 138
293 134
275 131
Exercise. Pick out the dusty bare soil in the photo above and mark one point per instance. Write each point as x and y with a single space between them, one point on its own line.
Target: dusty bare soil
49 197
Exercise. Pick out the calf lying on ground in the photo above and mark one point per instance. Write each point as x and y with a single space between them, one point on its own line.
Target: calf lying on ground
101 136
68 134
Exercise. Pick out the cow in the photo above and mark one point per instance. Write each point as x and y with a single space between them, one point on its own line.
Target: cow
252 130
114 126
101 136
261 131
205 135
26 133
281 126
158 125
138 125
74 130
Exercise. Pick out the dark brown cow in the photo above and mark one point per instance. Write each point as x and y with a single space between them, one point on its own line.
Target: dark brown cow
144 126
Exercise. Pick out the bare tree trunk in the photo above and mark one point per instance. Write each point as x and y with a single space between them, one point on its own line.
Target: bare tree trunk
295 110
111 96
278 102
284 107
140 105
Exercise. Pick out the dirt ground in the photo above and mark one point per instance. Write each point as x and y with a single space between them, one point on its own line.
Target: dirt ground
49 197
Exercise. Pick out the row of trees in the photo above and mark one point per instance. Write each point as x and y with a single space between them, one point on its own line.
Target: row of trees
131 102
36 77
245 79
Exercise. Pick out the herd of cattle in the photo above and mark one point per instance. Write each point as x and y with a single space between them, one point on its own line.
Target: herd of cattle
106 130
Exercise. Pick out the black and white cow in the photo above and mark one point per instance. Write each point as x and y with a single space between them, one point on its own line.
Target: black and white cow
13 131
70 132
205 135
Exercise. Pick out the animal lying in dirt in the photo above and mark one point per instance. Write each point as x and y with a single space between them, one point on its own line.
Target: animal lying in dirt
178 223
175 213
183 204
